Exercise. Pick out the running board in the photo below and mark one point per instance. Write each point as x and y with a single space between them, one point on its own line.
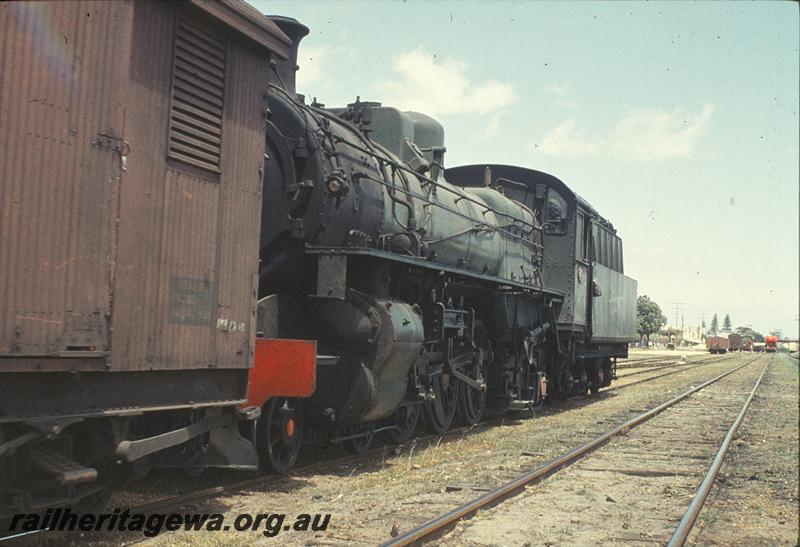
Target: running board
65 470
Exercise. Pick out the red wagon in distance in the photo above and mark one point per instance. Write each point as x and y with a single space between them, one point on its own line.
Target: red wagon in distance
717 344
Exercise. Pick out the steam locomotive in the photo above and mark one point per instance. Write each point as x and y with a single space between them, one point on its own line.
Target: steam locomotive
139 327
438 292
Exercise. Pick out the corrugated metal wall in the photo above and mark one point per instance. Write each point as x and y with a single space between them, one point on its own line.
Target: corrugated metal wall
188 241
59 89
156 264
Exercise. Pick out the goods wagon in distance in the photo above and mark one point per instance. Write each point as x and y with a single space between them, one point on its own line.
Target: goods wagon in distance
717 344
735 342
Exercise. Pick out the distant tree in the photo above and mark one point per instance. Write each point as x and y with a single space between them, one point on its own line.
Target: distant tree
649 318
726 323
703 324
714 324
776 332
743 330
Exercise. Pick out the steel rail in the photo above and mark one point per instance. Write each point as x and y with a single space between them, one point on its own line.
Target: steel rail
653 369
439 524
648 363
693 511
657 367
672 369
641 363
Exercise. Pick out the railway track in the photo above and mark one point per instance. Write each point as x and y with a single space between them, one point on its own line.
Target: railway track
672 369
650 361
174 502
666 361
693 511
694 406
213 491
622 372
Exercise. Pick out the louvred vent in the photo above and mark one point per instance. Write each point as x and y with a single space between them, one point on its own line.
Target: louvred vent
198 84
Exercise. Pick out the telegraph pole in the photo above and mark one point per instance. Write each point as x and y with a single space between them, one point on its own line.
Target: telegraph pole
678 308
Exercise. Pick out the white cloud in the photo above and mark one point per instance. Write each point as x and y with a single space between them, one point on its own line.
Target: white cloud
557 88
640 135
567 140
315 64
312 62
560 92
440 86
493 125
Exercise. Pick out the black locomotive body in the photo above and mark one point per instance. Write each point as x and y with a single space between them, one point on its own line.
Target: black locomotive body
439 292
583 260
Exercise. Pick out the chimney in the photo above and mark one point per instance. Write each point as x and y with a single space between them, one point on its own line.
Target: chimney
287 69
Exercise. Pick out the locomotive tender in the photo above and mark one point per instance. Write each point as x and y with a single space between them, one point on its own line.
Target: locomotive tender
439 292
138 195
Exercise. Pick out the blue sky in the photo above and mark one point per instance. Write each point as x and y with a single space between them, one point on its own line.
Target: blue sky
677 121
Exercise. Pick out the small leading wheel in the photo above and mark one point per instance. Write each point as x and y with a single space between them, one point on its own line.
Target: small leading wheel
472 401
405 421
439 412
279 435
359 445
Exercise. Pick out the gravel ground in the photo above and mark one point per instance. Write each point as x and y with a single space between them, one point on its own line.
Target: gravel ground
396 488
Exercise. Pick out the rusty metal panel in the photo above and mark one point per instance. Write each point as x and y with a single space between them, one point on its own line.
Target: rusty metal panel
243 148
188 236
168 249
60 118
110 248
249 22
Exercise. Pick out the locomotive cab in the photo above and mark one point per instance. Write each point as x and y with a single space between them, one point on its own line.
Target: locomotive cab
583 260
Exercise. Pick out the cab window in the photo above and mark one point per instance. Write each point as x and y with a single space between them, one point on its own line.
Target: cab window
581 243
